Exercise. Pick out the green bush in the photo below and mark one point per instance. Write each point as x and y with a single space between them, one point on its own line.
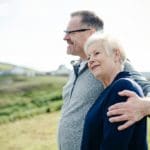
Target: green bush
26 97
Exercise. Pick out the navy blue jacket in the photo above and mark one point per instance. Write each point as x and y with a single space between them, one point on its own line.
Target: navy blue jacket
100 134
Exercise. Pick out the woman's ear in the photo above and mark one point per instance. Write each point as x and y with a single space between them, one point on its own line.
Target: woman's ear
117 57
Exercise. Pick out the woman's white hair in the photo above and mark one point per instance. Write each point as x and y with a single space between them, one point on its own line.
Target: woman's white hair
109 43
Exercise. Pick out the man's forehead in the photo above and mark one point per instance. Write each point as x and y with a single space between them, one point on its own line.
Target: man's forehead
75 23
75 20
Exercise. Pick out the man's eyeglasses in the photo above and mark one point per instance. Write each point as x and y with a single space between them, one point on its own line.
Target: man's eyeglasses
73 31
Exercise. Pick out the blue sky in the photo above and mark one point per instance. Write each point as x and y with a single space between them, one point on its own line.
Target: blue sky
31 31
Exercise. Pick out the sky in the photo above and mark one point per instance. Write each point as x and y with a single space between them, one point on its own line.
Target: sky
31 31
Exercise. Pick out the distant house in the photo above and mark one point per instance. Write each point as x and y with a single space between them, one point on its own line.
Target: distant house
61 71
17 70
10 69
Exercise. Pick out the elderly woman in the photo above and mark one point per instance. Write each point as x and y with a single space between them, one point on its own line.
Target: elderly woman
106 61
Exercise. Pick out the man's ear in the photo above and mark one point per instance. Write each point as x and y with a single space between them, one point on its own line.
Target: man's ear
92 31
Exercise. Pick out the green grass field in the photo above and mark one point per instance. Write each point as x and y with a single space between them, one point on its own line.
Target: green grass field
29 112
22 97
37 133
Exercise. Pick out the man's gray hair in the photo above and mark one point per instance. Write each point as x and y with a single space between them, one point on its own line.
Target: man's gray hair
89 19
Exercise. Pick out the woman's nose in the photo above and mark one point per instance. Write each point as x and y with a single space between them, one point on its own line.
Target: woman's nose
91 60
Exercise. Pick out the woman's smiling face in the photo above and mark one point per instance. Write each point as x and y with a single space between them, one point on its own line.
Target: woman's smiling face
100 60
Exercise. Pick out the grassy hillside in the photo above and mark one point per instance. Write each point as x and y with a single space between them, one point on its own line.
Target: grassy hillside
21 99
5 66
37 133
22 96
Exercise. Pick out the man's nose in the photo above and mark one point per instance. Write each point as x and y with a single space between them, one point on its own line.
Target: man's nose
66 37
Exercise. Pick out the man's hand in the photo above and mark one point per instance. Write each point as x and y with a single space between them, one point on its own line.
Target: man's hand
130 111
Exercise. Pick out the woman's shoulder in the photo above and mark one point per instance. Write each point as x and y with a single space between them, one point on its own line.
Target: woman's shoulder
127 83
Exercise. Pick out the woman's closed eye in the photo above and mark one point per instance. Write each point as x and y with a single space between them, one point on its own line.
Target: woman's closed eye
88 58
97 52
